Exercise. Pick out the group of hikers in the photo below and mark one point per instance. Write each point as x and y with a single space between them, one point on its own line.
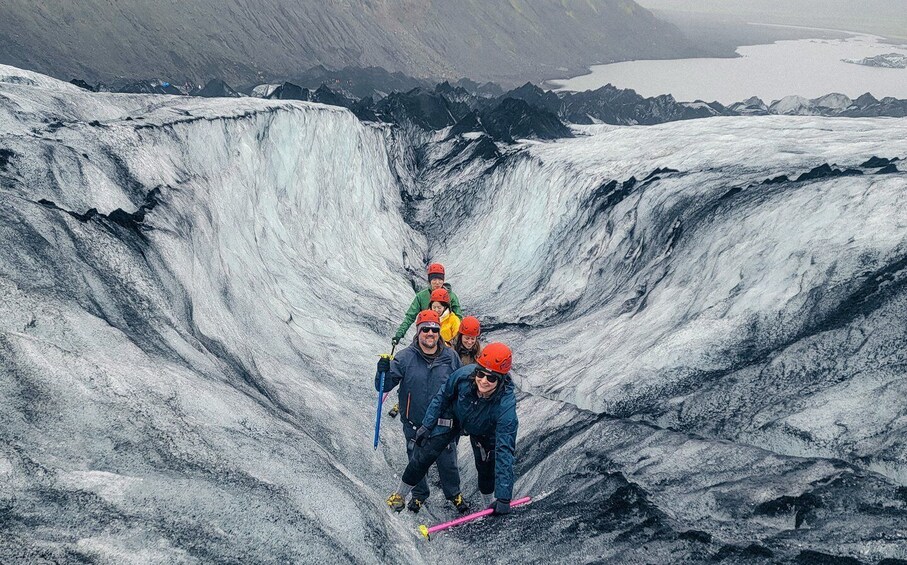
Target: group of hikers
450 385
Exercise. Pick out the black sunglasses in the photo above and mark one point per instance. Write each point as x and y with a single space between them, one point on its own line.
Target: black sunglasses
430 330
489 376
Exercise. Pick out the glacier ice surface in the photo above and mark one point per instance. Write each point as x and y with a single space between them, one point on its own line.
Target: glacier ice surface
711 366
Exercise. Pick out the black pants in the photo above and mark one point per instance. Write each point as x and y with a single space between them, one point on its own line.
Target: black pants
445 462
435 447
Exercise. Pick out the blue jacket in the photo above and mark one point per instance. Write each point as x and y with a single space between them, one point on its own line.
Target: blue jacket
419 376
493 419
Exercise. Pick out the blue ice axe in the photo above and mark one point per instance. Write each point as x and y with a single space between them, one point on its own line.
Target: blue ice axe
381 397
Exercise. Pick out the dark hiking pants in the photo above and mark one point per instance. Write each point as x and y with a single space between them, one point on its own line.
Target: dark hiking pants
435 447
483 451
445 461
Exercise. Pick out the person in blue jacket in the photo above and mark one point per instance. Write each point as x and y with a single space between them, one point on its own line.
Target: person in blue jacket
478 401
421 370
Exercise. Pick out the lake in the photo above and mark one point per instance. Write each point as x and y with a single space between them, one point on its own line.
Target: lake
806 67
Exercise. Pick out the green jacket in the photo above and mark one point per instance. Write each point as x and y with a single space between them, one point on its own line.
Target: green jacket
421 302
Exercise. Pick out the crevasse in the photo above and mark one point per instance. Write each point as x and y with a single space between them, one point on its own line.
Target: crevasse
197 385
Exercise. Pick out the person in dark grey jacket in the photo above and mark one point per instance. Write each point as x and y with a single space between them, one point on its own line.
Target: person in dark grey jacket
421 370
478 401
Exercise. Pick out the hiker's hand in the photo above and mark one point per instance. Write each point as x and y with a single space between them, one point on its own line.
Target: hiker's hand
500 506
384 365
421 436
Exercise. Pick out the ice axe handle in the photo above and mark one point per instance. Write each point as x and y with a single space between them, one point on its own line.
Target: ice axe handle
378 412
426 531
381 396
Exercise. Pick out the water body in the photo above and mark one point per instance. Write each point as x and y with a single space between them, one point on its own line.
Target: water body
806 67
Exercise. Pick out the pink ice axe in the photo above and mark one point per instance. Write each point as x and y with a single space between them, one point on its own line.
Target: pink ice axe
426 531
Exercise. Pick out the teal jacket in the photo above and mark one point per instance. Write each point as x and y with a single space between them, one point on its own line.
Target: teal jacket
421 302
493 420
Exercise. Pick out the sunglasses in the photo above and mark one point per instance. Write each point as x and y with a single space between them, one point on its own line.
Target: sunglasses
487 375
430 330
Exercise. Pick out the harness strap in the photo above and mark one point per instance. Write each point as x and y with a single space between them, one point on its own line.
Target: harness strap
484 453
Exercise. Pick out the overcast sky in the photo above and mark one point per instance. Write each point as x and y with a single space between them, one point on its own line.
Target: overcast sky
883 17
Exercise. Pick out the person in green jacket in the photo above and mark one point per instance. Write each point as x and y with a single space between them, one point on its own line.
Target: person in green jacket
422 301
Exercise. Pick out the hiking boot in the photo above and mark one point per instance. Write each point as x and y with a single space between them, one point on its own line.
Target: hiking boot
396 502
462 505
414 505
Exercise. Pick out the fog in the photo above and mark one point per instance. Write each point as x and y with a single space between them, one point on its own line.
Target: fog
882 17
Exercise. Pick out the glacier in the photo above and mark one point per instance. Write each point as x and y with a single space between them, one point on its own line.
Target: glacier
707 319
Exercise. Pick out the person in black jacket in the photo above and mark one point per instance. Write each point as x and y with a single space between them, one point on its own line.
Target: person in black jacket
478 401
421 370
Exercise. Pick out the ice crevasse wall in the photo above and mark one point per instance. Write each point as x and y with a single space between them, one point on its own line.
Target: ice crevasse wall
654 274
177 352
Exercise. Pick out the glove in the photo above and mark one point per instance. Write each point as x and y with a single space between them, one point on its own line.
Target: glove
395 340
421 436
500 507
384 365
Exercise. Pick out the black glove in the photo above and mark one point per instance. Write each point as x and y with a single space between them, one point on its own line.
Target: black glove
395 340
421 436
384 365
500 506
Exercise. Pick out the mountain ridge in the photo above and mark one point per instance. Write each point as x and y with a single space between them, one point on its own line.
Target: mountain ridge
259 40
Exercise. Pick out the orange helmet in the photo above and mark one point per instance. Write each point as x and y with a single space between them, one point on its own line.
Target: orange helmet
428 317
435 270
440 295
496 357
470 326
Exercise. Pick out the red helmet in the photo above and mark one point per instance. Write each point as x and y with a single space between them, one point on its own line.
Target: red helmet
496 357
428 316
440 295
470 326
435 269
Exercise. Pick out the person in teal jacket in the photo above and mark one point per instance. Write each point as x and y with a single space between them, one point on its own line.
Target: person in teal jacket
422 301
478 401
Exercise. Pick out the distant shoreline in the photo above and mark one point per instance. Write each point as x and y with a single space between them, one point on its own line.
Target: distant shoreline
719 37
556 83
808 67
848 32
